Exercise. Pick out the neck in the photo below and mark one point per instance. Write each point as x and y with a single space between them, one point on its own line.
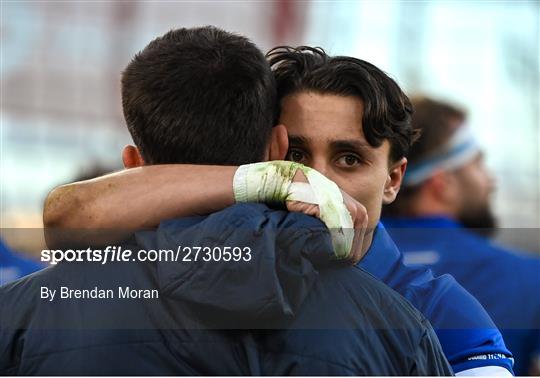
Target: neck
367 241
426 207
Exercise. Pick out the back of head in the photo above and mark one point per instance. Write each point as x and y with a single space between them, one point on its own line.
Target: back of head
199 96
387 110
436 122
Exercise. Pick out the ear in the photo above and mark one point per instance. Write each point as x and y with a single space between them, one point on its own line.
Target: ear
442 187
279 143
132 157
394 180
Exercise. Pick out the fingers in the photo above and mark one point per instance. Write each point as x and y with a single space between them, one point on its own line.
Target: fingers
302 207
299 176
361 224
360 220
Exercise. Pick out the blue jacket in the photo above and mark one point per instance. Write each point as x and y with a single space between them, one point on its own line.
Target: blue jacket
505 282
14 266
275 314
467 334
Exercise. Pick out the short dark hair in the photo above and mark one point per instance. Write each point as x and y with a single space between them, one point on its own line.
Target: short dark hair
435 121
200 96
387 110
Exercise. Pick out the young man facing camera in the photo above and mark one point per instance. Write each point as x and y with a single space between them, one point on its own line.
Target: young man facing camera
349 121
188 97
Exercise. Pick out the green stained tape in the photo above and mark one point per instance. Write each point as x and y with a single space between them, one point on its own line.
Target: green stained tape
271 182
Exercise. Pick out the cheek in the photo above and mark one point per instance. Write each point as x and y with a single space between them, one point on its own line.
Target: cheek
368 190
373 203
477 184
486 182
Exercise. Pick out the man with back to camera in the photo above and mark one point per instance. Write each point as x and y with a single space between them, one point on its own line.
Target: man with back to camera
187 97
350 121
446 197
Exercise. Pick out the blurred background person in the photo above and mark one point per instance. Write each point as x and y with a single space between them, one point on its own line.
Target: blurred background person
445 198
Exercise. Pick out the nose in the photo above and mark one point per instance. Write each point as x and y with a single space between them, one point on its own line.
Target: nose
492 181
320 165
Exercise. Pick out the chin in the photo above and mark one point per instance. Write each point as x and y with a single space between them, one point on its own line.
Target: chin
482 222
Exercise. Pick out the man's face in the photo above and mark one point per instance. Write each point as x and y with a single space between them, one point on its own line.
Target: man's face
475 188
325 133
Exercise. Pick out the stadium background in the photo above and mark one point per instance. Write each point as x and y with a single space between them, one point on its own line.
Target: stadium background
61 63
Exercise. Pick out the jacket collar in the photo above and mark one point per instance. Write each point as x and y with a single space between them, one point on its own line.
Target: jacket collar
382 256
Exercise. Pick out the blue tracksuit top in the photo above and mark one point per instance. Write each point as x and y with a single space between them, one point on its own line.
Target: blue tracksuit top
467 334
507 283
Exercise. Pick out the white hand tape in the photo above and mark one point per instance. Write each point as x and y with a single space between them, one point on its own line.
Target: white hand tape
333 212
302 192
272 182
264 182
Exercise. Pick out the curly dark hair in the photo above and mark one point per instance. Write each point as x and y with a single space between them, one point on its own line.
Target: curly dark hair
387 110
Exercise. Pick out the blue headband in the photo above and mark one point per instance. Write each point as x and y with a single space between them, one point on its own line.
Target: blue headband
459 150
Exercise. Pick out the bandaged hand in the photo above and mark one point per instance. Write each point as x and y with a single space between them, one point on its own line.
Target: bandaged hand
305 190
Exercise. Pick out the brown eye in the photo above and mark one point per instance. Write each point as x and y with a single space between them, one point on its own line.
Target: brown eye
295 155
348 161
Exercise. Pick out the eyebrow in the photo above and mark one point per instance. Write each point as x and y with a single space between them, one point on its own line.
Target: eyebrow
298 140
349 144
340 144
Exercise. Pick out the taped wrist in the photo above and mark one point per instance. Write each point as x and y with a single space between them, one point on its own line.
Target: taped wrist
271 182
267 182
